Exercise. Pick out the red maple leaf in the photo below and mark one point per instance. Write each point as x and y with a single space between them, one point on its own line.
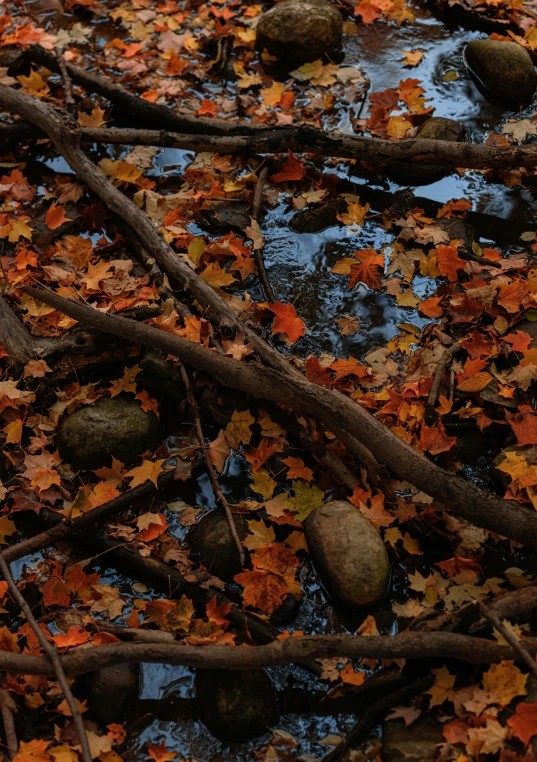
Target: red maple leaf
293 169
287 321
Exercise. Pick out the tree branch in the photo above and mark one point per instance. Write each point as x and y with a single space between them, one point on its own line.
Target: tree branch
335 411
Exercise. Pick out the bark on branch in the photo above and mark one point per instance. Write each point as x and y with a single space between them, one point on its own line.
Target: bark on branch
408 645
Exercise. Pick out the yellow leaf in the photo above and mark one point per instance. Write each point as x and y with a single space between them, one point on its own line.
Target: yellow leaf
95 119
239 426
196 247
149 470
127 383
408 299
504 681
13 432
264 484
216 276
398 127
16 229
258 534
272 95
412 57
120 171
441 690
355 214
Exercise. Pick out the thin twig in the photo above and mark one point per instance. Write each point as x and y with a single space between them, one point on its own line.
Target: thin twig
258 253
361 730
53 655
70 105
210 468
7 708
508 636
437 380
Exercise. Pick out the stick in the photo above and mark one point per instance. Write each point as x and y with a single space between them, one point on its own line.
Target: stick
7 708
98 515
519 605
335 411
509 637
70 106
258 253
361 730
437 380
305 139
53 658
407 645
208 462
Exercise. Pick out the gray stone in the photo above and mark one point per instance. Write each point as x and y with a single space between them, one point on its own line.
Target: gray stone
300 30
435 128
212 543
111 691
348 553
416 743
91 435
236 706
161 376
504 68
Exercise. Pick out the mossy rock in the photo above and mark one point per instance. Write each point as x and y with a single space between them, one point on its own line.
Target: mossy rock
236 706
300 30
161 376
348 553
111 691
211 541
435 128
502 67
91 435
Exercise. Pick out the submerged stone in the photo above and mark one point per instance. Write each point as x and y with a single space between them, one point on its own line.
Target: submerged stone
212 543
111 691
91 435
236 706
300 30
348 553
419 742
435 128
503 67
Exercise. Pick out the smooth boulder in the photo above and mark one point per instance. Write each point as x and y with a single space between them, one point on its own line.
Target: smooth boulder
111 691
300 30
435 128
236 705
502 67
91 435
419 742
348 553
211 541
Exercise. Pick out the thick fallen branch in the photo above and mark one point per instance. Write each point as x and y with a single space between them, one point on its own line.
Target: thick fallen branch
515 605
444 645
307 139
7 709
333 410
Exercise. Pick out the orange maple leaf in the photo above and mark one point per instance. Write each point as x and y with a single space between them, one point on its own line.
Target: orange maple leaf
272 579
216 612
449 262
55 217
74 636
435 440
33 751
149 470
287 322
160 753
298 470
524 722
363 267
293 169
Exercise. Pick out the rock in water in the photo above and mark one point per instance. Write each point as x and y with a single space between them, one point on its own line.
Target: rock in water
504 68
111 691
348 553
419 742
236 706
300 30
91 435
435 128
213 544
